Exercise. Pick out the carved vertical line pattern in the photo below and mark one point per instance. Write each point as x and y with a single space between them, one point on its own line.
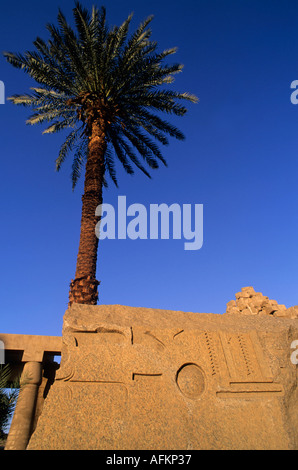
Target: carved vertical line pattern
211 353
245 354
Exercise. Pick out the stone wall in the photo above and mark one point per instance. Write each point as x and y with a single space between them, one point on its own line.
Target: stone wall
137 378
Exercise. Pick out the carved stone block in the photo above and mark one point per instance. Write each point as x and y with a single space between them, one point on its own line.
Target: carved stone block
133 378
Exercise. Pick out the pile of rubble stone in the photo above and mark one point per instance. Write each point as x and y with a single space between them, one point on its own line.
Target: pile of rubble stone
249 302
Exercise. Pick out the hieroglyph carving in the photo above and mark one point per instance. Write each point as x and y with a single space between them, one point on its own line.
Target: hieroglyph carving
229 364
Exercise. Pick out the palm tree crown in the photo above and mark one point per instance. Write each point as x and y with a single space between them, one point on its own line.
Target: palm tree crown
106 87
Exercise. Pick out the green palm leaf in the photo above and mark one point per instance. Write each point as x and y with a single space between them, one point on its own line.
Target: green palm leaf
125 74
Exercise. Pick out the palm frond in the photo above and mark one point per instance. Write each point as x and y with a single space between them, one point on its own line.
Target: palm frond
78 162
110 167
132 156
91 70
67 147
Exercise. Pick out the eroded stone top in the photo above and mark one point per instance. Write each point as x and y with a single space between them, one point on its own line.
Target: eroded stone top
90 318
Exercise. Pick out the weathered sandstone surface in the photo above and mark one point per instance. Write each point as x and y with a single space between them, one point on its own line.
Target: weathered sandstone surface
141 378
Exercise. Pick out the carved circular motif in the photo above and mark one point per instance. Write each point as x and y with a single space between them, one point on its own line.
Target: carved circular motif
190 380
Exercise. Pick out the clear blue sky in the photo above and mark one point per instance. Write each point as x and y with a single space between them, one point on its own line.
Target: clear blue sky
240 160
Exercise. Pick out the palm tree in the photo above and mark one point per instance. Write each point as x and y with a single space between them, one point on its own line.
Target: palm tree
8 397
107 87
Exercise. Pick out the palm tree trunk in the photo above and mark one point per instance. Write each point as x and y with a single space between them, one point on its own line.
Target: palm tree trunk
83 289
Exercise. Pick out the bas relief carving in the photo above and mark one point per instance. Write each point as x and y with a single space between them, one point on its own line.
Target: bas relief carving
227 364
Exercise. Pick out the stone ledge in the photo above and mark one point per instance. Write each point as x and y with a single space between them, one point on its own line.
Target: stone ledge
32 347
